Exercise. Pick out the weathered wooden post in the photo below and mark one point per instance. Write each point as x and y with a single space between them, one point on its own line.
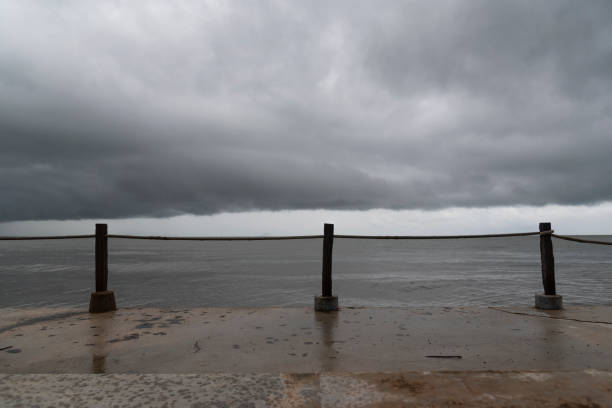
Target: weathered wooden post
549 300
327 302
102 300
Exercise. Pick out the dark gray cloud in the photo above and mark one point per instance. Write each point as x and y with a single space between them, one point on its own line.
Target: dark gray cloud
120 109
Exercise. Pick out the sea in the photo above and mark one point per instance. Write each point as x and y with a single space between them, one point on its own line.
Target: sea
366 273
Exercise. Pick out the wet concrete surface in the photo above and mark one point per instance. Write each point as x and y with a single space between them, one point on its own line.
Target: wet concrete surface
298 340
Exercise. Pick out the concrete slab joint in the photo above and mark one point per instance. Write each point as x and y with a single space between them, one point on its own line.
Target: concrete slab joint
548 302
101 302
326 303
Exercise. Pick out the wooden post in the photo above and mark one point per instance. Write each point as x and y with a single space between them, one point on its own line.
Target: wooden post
327 302
548 260
101 257
549 300
328 244
102 300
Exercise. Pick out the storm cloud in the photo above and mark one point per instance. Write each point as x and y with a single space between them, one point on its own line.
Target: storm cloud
122 109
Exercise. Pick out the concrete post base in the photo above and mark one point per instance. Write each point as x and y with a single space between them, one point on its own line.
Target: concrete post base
101 302
326 303
548 302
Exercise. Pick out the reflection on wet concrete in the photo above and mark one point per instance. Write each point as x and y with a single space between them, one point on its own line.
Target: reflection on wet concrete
98 364
327 322
99 329
555 342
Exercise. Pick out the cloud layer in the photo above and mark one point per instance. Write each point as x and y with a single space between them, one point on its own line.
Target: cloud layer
120 109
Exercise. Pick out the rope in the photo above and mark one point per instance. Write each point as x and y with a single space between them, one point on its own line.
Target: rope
290 237
45 237
584 241
516 234
215 238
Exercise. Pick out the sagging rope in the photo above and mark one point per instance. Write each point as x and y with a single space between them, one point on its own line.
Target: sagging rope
584 241
516 234
289 237
278 238
293 237
46 237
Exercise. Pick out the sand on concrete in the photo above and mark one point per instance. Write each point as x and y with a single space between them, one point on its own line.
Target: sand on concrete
573 389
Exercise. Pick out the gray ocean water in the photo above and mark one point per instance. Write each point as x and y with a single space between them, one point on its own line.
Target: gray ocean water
170 274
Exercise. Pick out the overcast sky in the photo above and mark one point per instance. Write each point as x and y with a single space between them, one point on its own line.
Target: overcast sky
131 110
